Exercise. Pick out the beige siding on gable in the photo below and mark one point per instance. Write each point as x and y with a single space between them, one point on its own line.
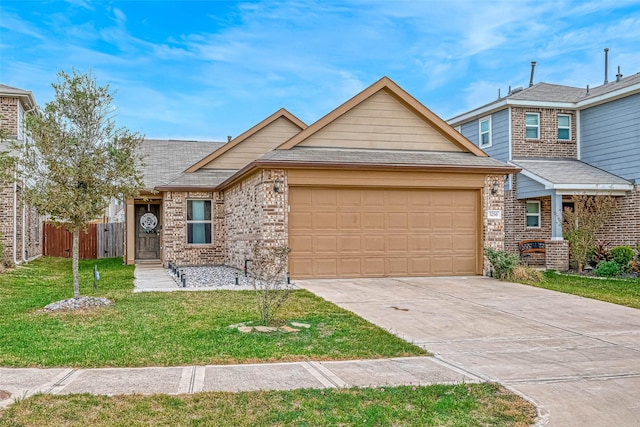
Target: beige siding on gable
255 146
380 122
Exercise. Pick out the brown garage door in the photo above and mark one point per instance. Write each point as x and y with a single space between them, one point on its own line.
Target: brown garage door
357 232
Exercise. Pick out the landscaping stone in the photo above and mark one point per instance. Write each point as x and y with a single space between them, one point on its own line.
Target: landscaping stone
288 329
300 325
77 304
265 329
245 329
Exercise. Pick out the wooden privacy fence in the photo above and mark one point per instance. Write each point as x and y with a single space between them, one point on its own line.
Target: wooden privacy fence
97 241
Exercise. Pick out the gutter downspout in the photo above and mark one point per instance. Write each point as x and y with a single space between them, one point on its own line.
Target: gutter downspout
15 218
24 229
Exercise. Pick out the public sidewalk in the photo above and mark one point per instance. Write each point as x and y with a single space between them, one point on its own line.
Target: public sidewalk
24 382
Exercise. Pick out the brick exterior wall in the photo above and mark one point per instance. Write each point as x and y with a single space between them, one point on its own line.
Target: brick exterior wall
9 115
548 146
254 212
174 230
557 255
623 228
32 247
493 229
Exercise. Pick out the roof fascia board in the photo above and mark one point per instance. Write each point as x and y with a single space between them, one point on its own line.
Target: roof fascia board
400 95
257 165
572 188
242 137
23 94
482 111
609 96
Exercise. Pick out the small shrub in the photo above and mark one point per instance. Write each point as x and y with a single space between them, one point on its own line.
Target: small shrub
522 272
622 255
607 269
503 262
600 253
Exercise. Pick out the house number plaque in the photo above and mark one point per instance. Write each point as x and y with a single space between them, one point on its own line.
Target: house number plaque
148 221
494 214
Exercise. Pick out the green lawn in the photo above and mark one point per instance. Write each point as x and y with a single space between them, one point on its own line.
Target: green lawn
439 405
618 291
167 329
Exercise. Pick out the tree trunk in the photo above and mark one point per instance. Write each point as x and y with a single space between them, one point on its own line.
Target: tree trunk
74 257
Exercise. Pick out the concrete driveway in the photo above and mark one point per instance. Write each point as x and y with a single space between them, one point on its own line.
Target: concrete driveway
577 358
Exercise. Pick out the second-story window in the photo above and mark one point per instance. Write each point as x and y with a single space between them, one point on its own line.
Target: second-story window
564 127
532 122
485 132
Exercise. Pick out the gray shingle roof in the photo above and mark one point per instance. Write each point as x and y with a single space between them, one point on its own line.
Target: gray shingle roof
549 92
568 171
165 160
380 157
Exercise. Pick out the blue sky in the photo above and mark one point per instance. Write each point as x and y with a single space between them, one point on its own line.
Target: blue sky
207 69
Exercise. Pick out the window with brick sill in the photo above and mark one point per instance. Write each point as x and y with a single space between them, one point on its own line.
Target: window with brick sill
199 222
532 126
564 127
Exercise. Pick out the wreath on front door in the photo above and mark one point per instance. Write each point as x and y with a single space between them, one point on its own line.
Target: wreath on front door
148 222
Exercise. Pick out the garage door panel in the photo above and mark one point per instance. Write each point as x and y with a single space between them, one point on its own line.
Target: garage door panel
349 221
350 267
325 244
396 266
397 221
372 221
325 221
326 267
373 244
464 242
373 266
349 244
302 243
442 242
419 243
420 266
365 232
442 221
397 243
419 221
465 264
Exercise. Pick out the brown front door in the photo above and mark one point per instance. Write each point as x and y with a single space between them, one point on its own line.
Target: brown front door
147 231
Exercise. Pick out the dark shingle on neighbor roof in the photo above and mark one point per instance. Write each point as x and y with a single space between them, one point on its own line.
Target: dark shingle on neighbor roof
165 160
380 157
568 171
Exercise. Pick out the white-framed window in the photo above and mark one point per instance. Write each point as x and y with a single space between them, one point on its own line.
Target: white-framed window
484 132
199 223
564 127
532 124
533 214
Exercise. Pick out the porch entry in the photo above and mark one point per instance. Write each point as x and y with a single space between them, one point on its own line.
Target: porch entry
147 231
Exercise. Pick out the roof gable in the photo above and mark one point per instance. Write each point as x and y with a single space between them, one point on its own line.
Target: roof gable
261 138
383 116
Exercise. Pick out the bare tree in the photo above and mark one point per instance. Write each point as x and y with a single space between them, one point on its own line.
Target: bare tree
269 278
581 224
75 160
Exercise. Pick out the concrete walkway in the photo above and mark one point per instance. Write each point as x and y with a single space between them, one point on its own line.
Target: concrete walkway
24 382
152 277
576 357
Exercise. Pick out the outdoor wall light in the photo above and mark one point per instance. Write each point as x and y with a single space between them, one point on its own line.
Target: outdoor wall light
277 185
494 188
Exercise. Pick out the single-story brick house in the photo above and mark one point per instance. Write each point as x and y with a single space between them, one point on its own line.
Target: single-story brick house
380 186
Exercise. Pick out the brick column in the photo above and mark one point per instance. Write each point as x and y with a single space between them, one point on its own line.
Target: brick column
557 255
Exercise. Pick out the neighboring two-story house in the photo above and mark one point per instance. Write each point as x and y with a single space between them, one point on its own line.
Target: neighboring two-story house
20 225
567 140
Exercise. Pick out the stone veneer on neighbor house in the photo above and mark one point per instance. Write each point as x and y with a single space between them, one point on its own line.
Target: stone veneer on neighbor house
174 229
548 145
255 212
